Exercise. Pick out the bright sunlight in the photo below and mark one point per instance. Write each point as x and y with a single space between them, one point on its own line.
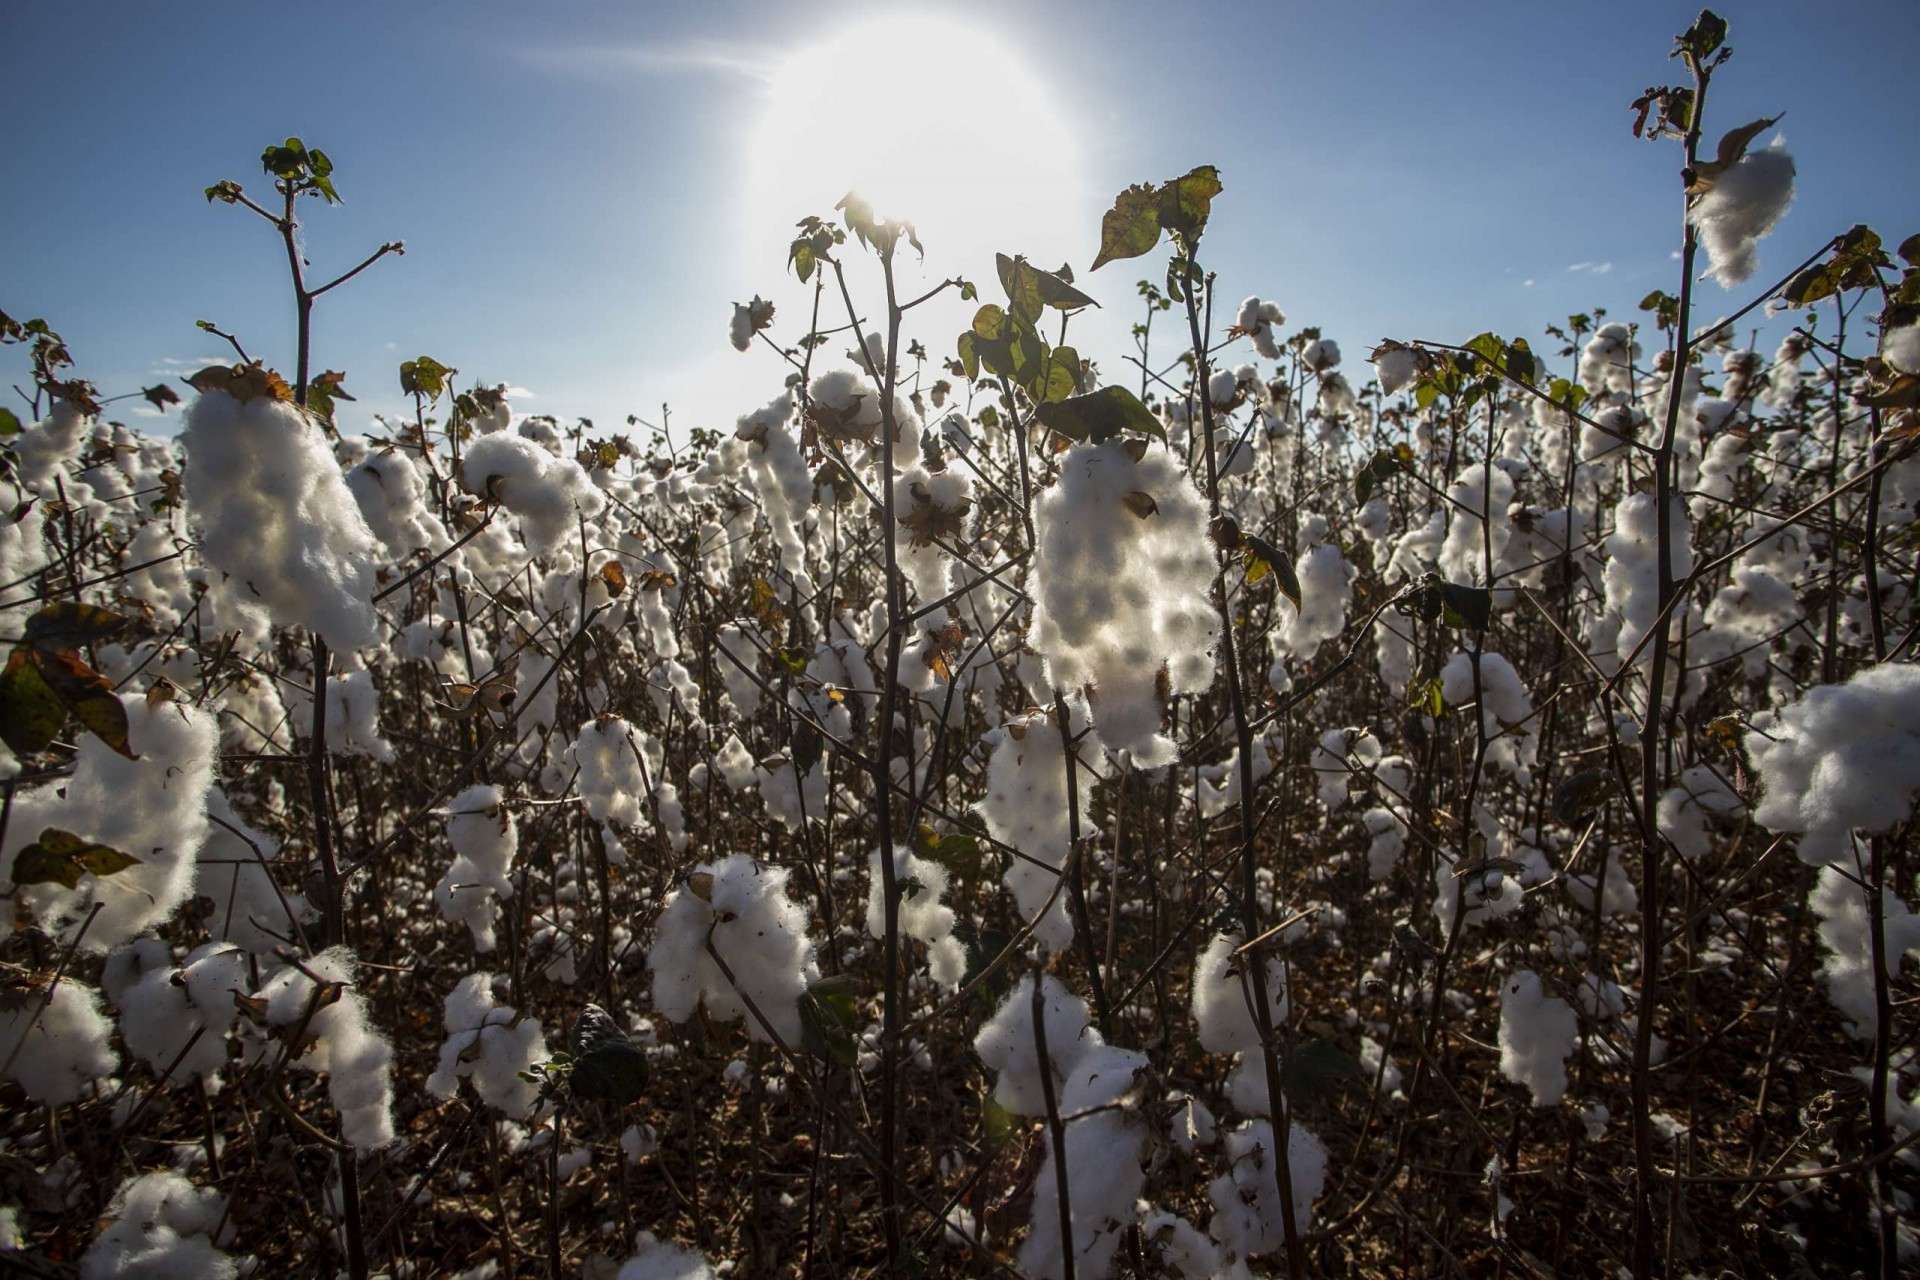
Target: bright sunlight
932 119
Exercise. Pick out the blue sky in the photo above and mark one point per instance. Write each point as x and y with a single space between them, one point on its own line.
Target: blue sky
575 181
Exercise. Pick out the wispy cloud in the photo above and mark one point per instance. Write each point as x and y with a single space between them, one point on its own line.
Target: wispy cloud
1527 283
752 62
1595 268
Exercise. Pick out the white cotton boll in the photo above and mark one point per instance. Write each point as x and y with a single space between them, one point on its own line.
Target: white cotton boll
1632 576
353 717
740 331
655 1259
1337 398
1246 1200
1320 354
179 1017
1606 362
1617 894
1845 931
161 1227
484 839
1743 206
66 1047
277 518
1223 1000
1177 1245
234 875
1260 321
1506 710
44 450
1375 1064
1121 586
390 491
1396 367
1191 1124
1688 812
153 808
617 763
491 1045
1006 1043
1326 589
550 495
639 1141
356 1059
1842 757
1900 347
1104 1179
1387 841
1026 808
922 913
1537 1033
759 932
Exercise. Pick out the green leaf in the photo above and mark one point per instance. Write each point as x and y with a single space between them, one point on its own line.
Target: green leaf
425 376
1022 285
800 258
69 625
1315 1067
1382 466
807 746
9 423
1581 794
31 713
61 857
830 1019
1262 558
990 323
969 358
1429 699
1470 608
1058 377
88 695
1186 202
1131 227
605 1062
1101 415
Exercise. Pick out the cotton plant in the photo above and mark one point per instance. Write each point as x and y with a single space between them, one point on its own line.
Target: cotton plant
1092 1082
485 838
317 997
1121 582
492 1045
741 910
148 807
277 518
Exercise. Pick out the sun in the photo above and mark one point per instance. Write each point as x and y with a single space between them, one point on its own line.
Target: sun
932 119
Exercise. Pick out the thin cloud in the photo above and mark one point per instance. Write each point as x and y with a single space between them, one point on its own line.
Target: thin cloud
1594 268
697 56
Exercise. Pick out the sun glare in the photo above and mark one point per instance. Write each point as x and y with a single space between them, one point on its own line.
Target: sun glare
932 119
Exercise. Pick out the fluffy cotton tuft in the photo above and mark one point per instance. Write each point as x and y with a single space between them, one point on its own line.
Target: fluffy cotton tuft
923 912
484 839
550 495
153 809
655 1259
1537 1032
1246 1199
1841 758
66 1045
356 1059
1743 206
1026 808
277 517
490 1044
1122 590
759 932
161 1227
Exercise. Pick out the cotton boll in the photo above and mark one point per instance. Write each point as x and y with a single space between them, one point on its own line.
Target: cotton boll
390 493
1845 931
1840 758
1026 808
1104 1179
1178 1247
161 1227
1606 362
550 495
1326 589
758 931
655 1259
1006 1043
353 717
1246 1200
1537 1033
1688 811
1260 321
356 1059
484 839
66 1046
1632 572
153 808
1121 586
236 876
277 518
491 1045
619 767
1223 1000
922 913
1395 367
1506 709
178 1018
1743 205
1900 347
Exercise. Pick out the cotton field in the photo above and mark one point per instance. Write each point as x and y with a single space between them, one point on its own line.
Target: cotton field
1234 807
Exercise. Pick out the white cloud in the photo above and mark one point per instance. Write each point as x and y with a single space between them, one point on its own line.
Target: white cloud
520 393
1527 283
752 62
1594 268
